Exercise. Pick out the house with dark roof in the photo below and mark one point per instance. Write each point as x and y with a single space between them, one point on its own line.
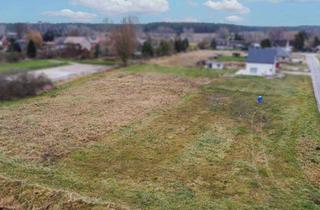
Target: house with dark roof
261 62
283 54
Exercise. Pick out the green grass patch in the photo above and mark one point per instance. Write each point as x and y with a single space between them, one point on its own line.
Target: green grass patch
231 59
99 62
29 65
179 71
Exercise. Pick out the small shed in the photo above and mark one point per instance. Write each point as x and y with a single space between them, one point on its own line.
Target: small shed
214 65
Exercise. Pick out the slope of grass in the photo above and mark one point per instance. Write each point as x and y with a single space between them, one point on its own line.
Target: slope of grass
179 71
231 58
28 65
99 62
216 149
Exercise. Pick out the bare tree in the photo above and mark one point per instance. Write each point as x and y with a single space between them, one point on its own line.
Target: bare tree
36 37
277 34
223 33
124 40
21 29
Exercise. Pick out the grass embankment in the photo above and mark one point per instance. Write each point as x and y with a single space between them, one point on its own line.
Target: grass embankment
215 150
178 71
99 62
231 59
29 65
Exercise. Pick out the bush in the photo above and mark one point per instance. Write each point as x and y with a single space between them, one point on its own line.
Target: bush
235 54
12 57
22 85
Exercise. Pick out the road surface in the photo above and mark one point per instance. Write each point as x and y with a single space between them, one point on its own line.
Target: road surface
314 66
70 71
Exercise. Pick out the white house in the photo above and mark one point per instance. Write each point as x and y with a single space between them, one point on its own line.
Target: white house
214 65
82 42
261 62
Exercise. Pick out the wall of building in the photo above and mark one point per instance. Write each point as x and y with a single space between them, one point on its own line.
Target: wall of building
260 69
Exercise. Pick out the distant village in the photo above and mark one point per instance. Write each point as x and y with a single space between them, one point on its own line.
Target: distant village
264 50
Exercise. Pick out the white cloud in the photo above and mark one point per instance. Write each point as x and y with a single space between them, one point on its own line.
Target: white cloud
125 6
72 15
234 19
227 5
184 20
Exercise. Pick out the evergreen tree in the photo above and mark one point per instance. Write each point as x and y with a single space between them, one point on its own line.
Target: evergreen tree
48 36
14 46
31 49
164 48
178 45
97 51
316 42
185 45
265 43
299 40
147 49
213 44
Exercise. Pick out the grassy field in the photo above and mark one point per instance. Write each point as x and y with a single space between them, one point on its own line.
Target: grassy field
28 65
209 147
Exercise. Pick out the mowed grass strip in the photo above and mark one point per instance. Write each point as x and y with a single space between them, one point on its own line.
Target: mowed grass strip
215 150
28 65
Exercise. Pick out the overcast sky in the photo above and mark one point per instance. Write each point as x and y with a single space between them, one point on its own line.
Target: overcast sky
245 12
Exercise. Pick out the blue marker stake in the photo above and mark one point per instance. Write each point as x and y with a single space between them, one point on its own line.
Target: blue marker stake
260 100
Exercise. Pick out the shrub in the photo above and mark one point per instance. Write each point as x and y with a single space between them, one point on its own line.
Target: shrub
235 54
22 85
12 57
31 49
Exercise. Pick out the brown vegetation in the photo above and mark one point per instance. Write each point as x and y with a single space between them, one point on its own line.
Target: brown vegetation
35 197
36 37
189 59
48 128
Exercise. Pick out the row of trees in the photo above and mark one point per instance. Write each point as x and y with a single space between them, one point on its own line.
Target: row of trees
302 41
151 48
35 41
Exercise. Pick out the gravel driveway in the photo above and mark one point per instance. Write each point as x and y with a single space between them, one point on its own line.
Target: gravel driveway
71 71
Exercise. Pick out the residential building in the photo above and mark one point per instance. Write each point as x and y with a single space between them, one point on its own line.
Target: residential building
78 41
261 62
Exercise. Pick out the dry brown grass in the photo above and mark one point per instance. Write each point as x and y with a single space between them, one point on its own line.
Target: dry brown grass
188 59
36 197
308 150
50 127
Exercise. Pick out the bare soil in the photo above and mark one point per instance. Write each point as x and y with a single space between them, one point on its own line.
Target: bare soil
48 128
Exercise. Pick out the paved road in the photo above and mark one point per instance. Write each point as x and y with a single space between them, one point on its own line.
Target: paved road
70 71
314 66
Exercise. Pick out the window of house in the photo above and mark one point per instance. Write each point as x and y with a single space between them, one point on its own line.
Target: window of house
253 70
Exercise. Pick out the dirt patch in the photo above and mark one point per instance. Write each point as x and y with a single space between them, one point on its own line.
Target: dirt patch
48 128
189 59
309 155
16 195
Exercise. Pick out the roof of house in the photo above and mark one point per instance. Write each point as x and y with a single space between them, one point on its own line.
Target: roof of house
82 41
263 56
282 52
